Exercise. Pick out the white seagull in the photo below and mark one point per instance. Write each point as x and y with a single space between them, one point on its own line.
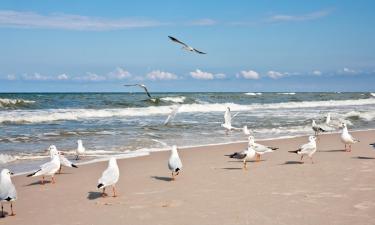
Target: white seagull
228 121
185 46
49 168
140 85
347 138
109 177
172 115
373 145
245 155
260 149
307 149
317 129
63 161
334 124
174 162
246 131
8 192
80 149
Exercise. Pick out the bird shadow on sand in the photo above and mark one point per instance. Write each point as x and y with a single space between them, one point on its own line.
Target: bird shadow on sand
39 183
3 216
363 157
292 163
92 195
168 179
249 161
333 150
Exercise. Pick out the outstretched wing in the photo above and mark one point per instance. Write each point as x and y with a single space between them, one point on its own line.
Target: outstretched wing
227 117
199 52
139 85
177 41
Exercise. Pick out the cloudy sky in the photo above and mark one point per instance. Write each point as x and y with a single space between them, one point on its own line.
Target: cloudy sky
77 45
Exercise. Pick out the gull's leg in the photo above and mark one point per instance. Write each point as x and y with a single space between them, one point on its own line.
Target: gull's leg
53 179
114 191
312 161
301 158
60 170
2 210
350 147
42 181
245 165
345 147
258 158
173 176
104 194
11 209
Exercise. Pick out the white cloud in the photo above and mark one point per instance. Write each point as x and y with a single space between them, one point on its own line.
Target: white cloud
203 22
200 75
21 19
220 76
303 17
161 75
35 76
346 70
11 77
119 74
92 77
63 77
250 74
275 74
317 72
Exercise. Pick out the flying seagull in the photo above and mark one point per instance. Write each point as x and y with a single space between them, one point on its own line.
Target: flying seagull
139 85
185 46
228 121
307 149
172 114
174 162
109 177
347 138
8 192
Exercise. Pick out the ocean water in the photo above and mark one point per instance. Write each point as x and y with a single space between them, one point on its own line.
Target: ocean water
129 124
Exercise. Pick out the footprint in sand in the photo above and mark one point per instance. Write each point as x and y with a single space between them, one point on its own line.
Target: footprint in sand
173 203
364 205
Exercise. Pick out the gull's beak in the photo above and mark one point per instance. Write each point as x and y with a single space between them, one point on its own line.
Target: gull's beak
61 153
11 173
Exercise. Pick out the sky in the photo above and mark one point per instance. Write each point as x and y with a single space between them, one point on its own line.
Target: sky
96 46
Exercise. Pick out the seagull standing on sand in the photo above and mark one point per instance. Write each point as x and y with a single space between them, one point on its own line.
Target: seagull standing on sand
49 168
63 161
109 177
307 149
317 129
245 155
80 149
347 138
8 192
228 121
185 46
260 149
174 162
140 85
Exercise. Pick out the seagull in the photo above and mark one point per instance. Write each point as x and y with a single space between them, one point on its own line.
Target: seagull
245 155
228 121
317 129
80 149
245 130
109 177
307 149
140 85
373 145
171 115
185 46
174 162
63 161
260 149
8 192
346 138
49 168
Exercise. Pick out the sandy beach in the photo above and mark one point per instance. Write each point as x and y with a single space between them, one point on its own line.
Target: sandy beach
212 189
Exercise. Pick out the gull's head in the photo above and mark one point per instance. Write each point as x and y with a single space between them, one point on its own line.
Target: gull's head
53 150
79 142
174 149
343 125
6 173
112 161
312 138
313 122
228 108
251 139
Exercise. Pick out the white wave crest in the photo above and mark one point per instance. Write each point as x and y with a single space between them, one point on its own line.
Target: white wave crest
179 99
367 116
253 93
286 93
4 158
39 116
6 102
372 94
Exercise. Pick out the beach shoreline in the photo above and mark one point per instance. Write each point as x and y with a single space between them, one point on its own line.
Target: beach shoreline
337 188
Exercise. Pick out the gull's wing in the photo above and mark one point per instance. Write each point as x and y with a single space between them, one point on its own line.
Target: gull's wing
238 155
174 163
199 52
171 115
261 148
139 85
65 162
307 148
178 41
8 191
108 177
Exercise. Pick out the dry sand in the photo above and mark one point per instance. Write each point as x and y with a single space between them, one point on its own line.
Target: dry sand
212 189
